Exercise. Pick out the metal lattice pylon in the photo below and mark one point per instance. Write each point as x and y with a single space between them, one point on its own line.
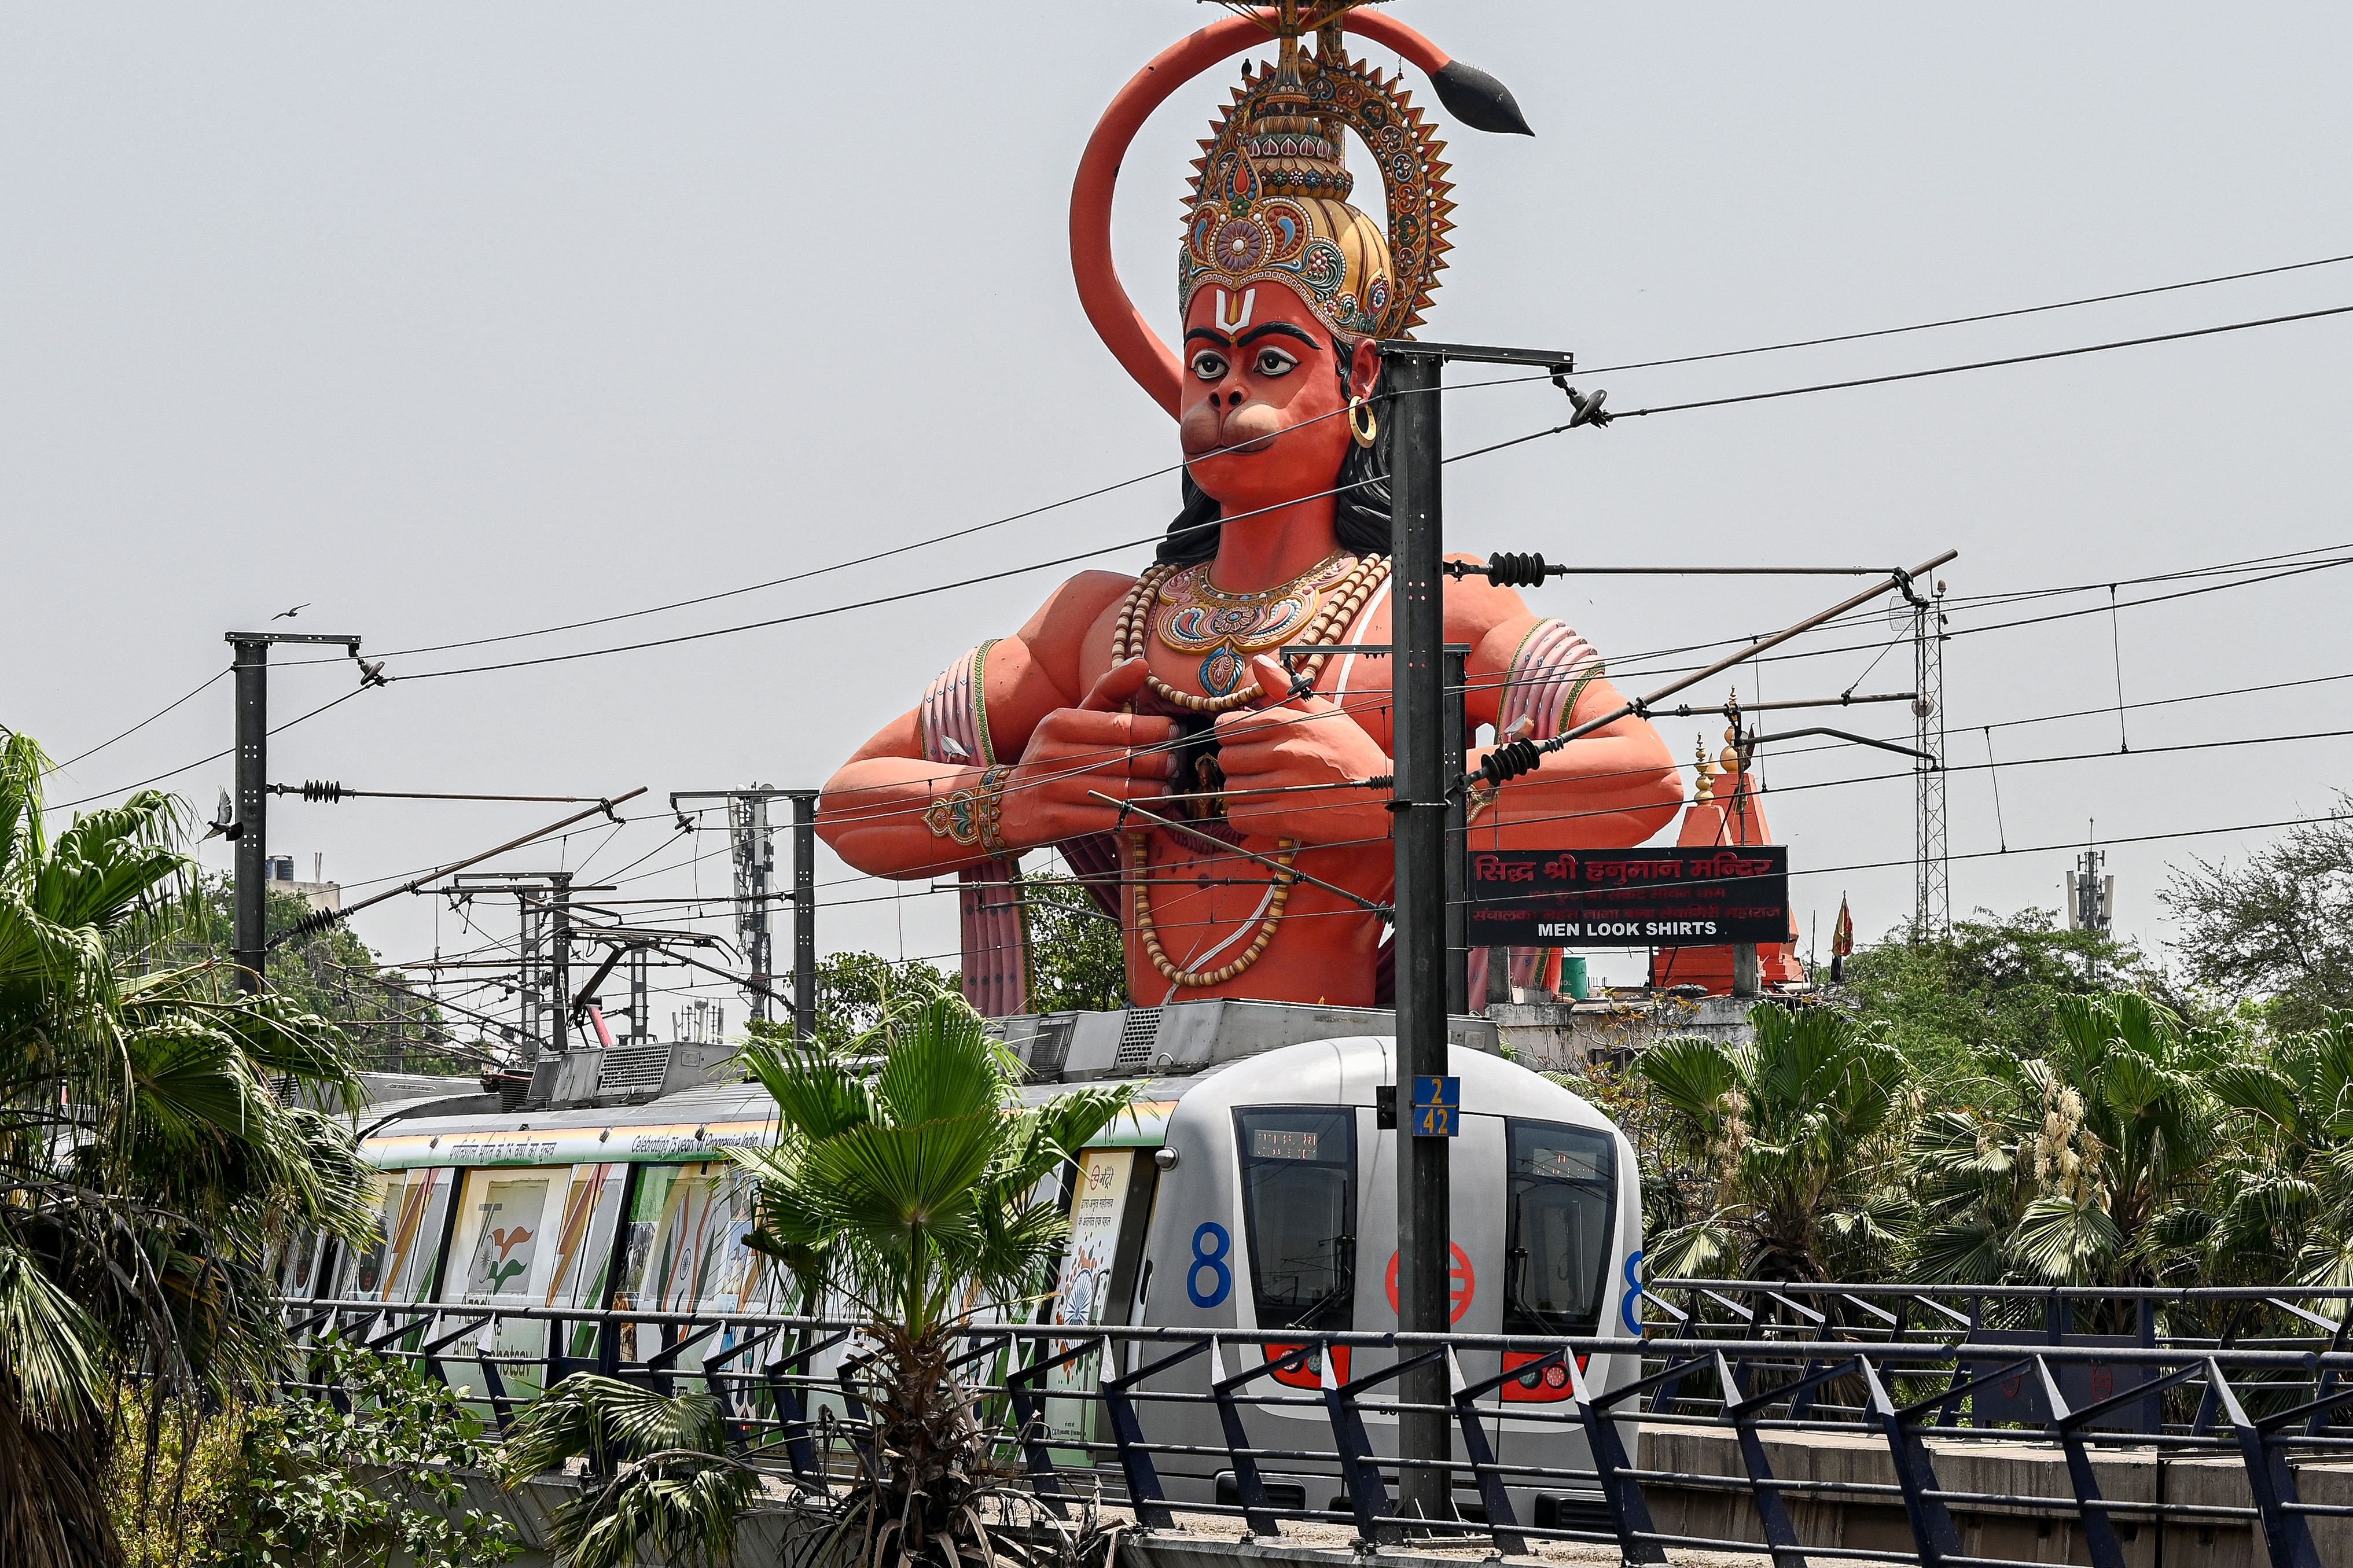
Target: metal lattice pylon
756 857
1932 907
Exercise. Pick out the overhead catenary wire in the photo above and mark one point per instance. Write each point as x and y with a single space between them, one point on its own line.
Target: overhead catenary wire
1100 490
897 550
1071 559
196 692
2227 692
1376 701
1213 921
1982 364
915 807
2009 360
2277 576
200 762
328 791
2152 599
823 611
1873 865
1969 321
305 926
1623 661
1189 878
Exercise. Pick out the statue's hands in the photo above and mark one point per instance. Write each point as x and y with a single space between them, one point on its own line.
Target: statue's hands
1285 742
1077 752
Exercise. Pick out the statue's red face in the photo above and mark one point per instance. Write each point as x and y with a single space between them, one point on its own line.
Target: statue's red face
1261 379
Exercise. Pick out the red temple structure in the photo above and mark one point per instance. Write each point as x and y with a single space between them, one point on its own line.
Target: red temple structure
1726 809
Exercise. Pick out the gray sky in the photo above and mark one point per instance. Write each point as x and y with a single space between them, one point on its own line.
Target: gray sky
454 322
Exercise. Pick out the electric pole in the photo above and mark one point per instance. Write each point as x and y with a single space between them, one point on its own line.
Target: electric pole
1454 748
251 829
543 981
804 913
1419 813
756 859
640 1026
1932 910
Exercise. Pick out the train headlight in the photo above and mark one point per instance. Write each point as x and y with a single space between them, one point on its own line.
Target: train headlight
1165 1157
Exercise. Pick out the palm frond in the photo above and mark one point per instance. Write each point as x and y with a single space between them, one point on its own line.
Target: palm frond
942 1067
50 1347
676 1490
2065 1241
1690 1075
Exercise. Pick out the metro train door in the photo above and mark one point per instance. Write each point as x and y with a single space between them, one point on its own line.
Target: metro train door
1477 1223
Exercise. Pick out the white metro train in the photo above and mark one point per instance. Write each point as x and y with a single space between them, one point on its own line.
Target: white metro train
1253 1190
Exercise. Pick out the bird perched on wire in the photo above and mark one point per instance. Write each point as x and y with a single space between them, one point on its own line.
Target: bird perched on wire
290 615
224 824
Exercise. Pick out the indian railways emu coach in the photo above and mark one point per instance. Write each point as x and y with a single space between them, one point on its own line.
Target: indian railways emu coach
1253 1193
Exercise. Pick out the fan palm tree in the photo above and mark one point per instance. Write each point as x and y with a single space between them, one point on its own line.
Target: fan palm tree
2084 1166
2282 1205
1793 1140
912 1193
675 1490
915 1195
146 1166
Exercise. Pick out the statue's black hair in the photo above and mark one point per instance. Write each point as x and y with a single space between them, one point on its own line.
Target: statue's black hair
1361 507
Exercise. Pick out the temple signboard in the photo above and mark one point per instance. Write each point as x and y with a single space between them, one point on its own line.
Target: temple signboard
1630 898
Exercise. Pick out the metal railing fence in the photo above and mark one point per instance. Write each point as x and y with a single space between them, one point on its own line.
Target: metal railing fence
1547 1446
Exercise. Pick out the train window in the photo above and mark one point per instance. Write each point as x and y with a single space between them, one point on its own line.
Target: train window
685 1242
584 1239
1563 1215
502 1253
1299 1209
298 1265
395 1264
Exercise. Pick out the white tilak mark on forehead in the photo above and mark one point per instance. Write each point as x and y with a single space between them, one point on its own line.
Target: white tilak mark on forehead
1250 303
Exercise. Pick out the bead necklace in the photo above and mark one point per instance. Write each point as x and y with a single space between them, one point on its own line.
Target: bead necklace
1341 603
1140 857
1226 620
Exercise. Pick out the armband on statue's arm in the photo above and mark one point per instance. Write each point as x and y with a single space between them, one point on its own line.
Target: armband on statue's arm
1547 673
953 726
952 721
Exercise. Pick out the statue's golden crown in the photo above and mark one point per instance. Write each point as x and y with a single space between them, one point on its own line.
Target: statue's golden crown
1270 197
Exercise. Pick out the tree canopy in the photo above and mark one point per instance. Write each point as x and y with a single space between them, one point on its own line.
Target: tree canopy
148 1162
2277 929
1990 983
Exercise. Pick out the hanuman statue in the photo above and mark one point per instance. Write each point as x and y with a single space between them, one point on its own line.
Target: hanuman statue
1155 727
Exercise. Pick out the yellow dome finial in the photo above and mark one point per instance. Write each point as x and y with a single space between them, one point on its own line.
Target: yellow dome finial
1732 761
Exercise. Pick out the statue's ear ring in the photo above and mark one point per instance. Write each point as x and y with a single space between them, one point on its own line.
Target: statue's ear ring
1362 425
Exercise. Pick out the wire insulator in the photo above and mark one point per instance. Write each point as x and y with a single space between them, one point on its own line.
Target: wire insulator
310 924
1515 569
1509 761
326 790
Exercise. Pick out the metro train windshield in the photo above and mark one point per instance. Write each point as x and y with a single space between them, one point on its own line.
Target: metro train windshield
1299 1208
1563 1214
